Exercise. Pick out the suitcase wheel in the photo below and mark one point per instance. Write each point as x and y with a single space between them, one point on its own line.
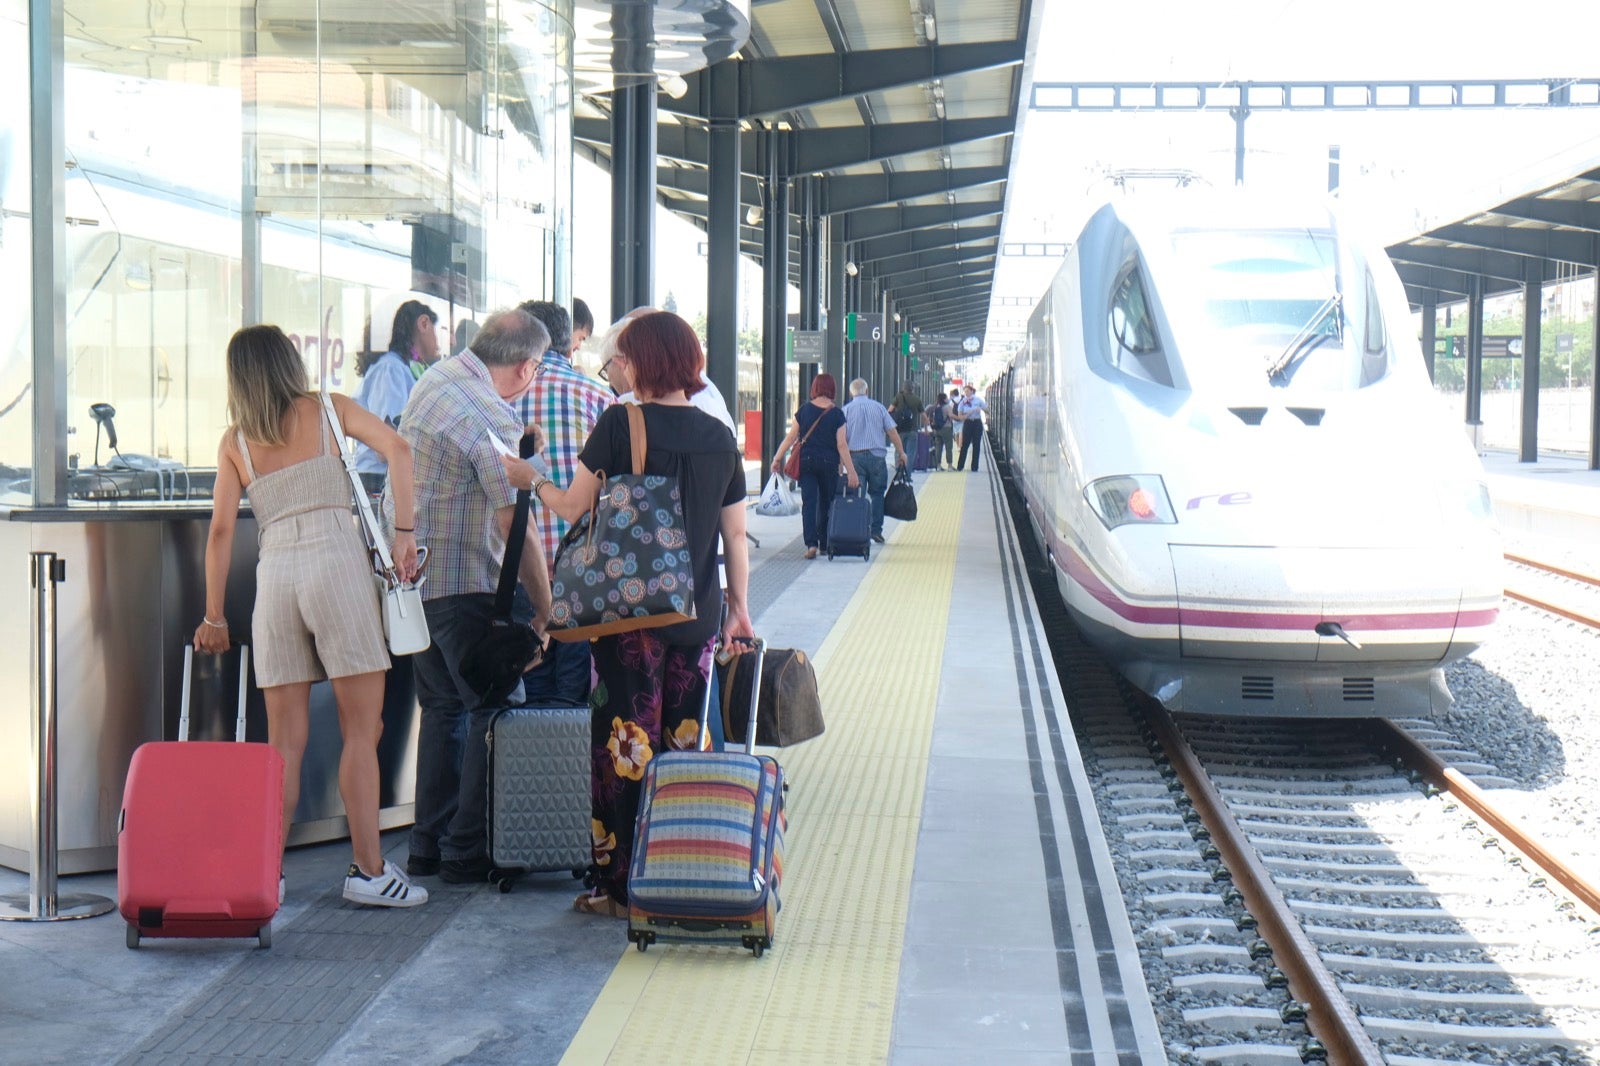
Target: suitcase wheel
757 944
830 555
578 872
133 936
642 938
264 936
866 553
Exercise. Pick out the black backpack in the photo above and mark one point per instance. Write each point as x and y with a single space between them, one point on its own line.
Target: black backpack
905 415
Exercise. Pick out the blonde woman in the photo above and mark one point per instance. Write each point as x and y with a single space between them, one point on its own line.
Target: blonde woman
316 611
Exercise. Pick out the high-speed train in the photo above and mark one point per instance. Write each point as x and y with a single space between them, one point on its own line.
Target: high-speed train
1227 443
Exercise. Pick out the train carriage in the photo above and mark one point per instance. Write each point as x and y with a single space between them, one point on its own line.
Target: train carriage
1226 439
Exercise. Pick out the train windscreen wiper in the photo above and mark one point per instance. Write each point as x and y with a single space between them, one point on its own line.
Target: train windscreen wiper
1309 337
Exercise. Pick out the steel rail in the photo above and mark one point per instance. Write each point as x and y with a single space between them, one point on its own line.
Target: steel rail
1329 1014
1550 608
1433 768
1547 568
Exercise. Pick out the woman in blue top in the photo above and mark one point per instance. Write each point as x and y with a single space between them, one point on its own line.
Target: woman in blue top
387 378
819 427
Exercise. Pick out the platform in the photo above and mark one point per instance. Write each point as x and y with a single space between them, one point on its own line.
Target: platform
1554 499
949 897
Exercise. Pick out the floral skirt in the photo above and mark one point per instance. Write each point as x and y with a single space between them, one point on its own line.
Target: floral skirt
646 698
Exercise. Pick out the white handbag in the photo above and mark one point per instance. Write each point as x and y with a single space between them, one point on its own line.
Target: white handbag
405 627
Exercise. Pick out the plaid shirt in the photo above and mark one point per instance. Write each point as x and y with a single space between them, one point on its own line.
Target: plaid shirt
459 480
566 404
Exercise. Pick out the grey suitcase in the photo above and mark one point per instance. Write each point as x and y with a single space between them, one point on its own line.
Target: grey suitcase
539 814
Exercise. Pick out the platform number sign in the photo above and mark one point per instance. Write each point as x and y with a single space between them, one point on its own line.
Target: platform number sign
863 327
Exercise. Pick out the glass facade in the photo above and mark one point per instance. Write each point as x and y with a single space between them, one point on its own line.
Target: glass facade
310 163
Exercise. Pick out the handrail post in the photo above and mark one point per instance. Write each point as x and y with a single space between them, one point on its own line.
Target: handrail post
42 903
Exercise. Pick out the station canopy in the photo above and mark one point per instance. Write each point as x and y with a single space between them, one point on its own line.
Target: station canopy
905 109
1551 233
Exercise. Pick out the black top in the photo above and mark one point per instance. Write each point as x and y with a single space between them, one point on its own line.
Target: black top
690 445
823 444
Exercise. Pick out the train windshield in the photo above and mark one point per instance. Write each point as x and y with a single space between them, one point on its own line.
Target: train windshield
1276 306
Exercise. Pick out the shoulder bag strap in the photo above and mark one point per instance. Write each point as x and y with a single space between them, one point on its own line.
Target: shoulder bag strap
380 543
636 437
808 432
512 560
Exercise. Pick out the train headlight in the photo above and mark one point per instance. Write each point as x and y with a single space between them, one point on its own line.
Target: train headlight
1130 499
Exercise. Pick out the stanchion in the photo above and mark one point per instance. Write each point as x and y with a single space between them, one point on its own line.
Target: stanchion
41 903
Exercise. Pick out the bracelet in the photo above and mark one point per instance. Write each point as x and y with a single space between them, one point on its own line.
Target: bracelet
404 529
537 485
214 625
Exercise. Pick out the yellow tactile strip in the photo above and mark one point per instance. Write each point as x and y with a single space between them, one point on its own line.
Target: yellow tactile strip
825 993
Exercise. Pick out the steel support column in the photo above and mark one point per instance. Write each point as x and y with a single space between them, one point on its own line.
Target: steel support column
1532 313
774 292
834 361
47 148
1474 411
809 193
723 217
633 196
1594 381
1430 331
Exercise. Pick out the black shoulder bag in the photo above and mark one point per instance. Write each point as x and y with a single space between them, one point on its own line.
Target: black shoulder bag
494 665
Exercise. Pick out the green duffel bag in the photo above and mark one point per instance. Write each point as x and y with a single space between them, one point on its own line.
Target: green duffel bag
790 710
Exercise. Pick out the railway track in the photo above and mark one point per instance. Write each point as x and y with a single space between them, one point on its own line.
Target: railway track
1565 593
1330 891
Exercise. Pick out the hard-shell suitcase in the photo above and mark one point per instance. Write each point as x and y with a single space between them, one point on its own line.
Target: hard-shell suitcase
924 457
708 844
539 816
200 838
850 523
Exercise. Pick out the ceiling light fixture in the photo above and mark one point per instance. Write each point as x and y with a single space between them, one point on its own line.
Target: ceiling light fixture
932 30
851 268
754 215
673 85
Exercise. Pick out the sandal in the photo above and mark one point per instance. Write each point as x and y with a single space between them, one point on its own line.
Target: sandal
604 906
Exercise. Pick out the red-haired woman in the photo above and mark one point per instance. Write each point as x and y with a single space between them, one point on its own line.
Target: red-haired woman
819 428
649 683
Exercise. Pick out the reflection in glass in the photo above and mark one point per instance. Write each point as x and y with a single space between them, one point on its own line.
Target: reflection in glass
235 162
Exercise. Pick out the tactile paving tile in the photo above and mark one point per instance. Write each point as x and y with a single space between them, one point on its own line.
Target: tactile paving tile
290 1002
825 992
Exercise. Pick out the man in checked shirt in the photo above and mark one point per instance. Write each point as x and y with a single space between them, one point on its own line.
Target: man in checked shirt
565 403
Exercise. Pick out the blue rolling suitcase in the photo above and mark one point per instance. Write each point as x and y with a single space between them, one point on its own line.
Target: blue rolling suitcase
850 523
922 459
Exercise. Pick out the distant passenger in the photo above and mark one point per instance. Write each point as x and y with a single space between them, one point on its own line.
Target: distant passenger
582 325
818 430
969 412
387 378
869 430
316 610
466 329
943 427
565 405
906 407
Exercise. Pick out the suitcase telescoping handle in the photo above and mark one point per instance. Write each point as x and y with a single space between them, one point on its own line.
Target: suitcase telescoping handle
759 650
188 678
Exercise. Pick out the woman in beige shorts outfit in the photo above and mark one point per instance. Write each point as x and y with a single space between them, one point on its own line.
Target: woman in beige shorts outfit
316 612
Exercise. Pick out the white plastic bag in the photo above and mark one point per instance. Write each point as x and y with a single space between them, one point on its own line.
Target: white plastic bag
778 498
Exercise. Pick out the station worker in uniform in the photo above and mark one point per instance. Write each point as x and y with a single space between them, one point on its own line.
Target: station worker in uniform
316 612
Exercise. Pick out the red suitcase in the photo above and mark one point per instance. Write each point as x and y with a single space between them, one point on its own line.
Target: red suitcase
200 839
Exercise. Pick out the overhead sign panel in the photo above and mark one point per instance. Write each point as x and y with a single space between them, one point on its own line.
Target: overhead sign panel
948 345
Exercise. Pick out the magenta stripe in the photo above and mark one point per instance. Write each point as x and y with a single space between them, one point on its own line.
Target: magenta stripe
1171 615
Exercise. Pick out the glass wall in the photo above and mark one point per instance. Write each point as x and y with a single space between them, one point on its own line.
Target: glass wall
310 163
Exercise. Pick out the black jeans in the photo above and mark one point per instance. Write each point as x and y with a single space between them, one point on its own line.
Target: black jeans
971 437
819 480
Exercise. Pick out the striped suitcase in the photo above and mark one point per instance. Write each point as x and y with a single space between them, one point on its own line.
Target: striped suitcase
708 845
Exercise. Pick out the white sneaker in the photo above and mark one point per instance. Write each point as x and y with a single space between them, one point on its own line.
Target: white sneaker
391 888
